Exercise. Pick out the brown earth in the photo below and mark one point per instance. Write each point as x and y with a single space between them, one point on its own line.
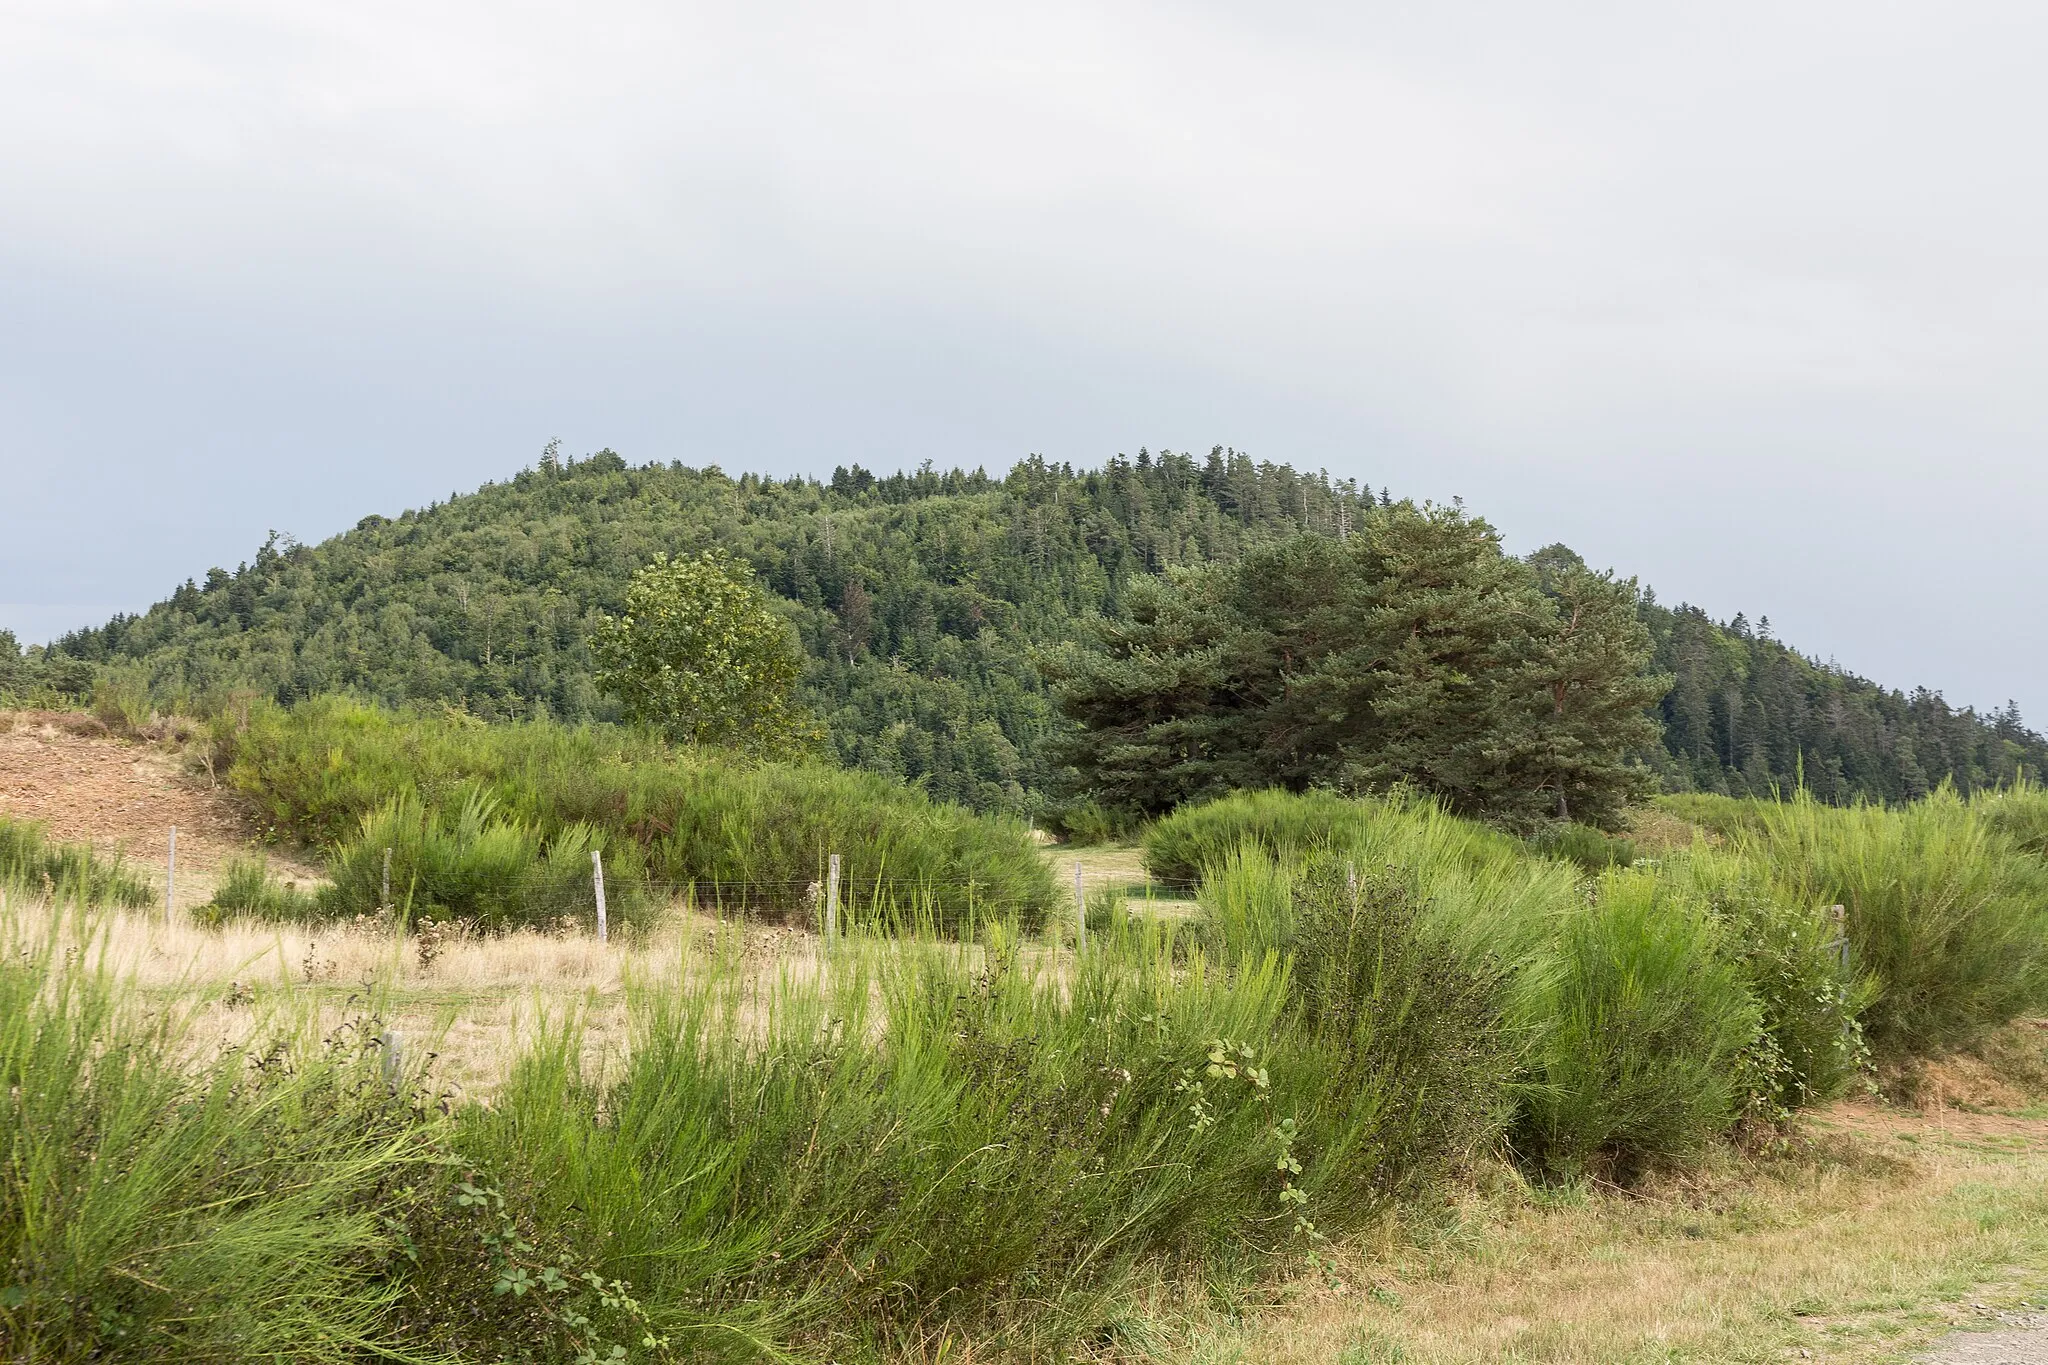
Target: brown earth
66 772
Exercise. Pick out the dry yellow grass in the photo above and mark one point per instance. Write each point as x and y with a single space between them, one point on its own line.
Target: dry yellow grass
1892 1231
1121 866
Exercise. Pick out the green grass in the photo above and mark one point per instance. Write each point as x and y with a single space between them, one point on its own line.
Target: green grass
248 890
73 874
748 836
167 1199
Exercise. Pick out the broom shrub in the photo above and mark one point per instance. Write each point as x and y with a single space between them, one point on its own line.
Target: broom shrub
168 1201
1640 1061
749 836
69 873
1944 916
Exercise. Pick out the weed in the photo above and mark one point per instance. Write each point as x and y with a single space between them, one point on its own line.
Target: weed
74 874
247 889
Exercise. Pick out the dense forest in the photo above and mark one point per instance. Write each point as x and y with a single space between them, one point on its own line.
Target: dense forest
925 603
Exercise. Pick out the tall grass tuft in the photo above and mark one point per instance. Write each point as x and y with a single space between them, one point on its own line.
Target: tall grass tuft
70 874
744 835
1950 924
169 1200
1640 1059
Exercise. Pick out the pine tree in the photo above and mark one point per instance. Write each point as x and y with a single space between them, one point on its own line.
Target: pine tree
1415 653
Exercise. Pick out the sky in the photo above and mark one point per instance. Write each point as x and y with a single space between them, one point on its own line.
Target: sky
1747 300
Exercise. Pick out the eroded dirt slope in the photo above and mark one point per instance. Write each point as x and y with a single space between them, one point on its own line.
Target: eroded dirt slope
117 794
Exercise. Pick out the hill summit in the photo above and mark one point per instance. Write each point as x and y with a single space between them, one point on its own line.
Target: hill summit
922 600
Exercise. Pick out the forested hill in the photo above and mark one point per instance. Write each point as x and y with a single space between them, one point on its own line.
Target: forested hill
920 599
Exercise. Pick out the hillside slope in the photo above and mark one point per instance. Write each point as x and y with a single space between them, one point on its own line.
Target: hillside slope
919 599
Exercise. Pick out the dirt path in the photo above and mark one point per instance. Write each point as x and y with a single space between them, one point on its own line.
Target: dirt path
117 795
2024 1341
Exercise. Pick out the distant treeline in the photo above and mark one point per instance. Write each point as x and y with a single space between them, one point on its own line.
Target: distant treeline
923 601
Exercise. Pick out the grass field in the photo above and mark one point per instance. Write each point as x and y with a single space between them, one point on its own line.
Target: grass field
1395 1087
1885 1232
1876 1231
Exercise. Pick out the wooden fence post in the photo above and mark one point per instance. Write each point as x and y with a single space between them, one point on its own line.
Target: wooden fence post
393 1058
171 874
597 883
1080 909
832 897
384 897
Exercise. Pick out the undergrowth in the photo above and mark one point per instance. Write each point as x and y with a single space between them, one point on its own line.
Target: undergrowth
494 819
72 874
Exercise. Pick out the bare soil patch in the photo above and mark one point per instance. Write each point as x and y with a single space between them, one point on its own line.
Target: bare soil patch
67 773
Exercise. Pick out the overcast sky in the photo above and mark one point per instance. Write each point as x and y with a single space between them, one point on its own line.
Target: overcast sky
1749 300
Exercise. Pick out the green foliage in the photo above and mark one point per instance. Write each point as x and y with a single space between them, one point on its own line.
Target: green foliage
231 1209
1247 900
701 656
468 862
1749 715
1582 844
1949 922
247 890
1182 846
492 1285
1644 1036
1792 958
2018 814
1087 822
72 874
921 600
1414 654
1650 1016
745 836
930 1139
1409 1020
1717 813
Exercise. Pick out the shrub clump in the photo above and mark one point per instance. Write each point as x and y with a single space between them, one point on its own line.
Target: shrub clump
247 890
1184 845
1644 1031
1415 1032
32 864
1945 918
473 864
752 836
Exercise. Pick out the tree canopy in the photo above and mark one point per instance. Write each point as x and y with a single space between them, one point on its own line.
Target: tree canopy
701 656
922 600
1415 652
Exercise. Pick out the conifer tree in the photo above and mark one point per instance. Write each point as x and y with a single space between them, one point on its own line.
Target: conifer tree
1415 653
